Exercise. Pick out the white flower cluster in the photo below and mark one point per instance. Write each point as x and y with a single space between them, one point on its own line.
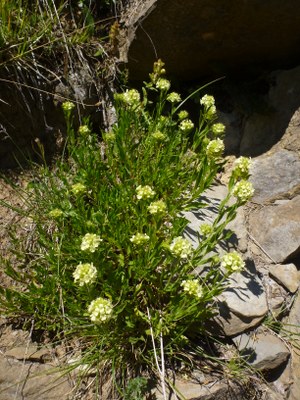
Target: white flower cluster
242 166
192 287
159 136
218 129
183 114
68 106
109 137
157 207
84 130
144 192
181 247
232 262
139 238
206 229
215 148
130 97
243 191
90 242
208 103
174 97
55 213
163 84
85 274
78 188
186 125
100 310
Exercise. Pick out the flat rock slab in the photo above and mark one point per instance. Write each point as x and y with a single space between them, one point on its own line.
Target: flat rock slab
279 234
263 351
31 381
242 305
287 275
275 175
213 197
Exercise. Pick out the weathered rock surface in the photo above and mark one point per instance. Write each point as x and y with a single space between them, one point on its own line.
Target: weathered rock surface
31 381
213 197
287 275
279 235
215 390
275 175
276 295
29 353
209 37
263 351
292 325
242 305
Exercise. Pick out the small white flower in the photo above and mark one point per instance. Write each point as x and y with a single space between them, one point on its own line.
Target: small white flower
100 310
218 129
163 84
186 125
193 288
209 106
157 207
159 136
181 247
183 114
215 148
242 166
206 229
232 262
55 213
132 97
84 130
109 137
90 242
85 274
243 191
68 106
207 101
174 97
139 238
144 192
78 188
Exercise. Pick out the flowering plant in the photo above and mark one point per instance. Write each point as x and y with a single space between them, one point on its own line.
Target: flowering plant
111 260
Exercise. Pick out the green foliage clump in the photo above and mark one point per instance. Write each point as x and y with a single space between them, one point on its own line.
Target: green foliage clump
109 261
30 31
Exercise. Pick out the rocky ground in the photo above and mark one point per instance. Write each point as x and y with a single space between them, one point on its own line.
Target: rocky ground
259 315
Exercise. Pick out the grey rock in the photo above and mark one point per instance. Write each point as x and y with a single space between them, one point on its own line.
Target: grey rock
287 275
213 197
242 305
263 351
29 353
275 175
215 390
279 235
276 296
284 381
291 139
291 328
32 381
222 36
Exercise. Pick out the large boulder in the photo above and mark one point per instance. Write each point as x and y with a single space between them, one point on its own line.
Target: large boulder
209 37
